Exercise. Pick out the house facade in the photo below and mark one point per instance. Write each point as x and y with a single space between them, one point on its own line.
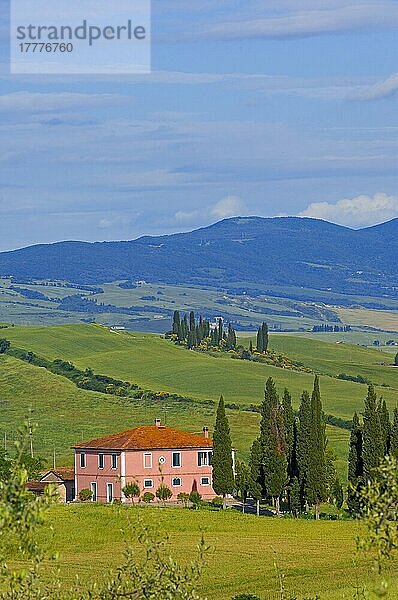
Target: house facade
147 455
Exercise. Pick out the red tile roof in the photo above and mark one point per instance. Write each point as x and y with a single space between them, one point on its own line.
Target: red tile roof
64 473
147 437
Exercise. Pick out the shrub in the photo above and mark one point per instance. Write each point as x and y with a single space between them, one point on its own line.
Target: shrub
4 346
131 490
217 501
163 493
196 499
183 497
85 494
148 497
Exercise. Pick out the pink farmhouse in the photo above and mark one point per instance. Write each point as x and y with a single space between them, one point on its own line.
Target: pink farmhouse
147 455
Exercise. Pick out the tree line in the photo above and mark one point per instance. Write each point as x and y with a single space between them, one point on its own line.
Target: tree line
372 439
193 332
331 328
289 460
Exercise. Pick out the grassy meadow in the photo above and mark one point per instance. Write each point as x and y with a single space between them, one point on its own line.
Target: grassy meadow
314 557
66 415
158 364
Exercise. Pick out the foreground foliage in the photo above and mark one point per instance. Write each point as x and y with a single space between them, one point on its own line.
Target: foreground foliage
150 574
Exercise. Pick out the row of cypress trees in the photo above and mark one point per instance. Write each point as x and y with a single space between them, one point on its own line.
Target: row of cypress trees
192 331
370 441
287 460
290 458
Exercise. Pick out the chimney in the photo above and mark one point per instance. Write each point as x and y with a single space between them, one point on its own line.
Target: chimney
157 422
206 432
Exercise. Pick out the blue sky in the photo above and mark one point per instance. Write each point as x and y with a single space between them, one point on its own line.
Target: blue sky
252 108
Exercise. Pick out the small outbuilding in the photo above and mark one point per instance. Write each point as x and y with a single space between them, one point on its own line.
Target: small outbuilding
63 479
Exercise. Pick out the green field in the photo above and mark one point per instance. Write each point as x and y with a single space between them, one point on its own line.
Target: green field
314 557
66 415
157 364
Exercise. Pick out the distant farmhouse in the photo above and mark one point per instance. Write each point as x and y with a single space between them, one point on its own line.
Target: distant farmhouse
148 456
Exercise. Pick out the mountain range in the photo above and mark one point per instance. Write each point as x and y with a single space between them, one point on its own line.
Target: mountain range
236 252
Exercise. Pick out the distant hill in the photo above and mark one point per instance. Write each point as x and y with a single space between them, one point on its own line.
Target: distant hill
234 252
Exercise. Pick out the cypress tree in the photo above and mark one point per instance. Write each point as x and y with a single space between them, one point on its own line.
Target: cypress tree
385 425
373 445
295 504
264 328
192 321
259 341
288 420
214 336
303 446
243 481
231 338
191 339
255 464
176 322
223 475
294 463
272 438
355 466
220 330
251 347
184 327
316 465
394 435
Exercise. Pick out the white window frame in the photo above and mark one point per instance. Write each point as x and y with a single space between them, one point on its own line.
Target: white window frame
94 486
109 486
114 460
179 460
207 455
83 460
146 487
202 482
99 460
148 454
176 484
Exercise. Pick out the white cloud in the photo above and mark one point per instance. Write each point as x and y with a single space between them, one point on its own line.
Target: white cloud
380 90
36 102
307 21
230 206
360 211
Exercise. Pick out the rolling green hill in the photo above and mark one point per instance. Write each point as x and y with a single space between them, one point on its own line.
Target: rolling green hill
157 364
65 415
